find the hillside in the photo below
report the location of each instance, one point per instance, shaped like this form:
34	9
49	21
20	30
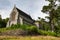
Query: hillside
26	32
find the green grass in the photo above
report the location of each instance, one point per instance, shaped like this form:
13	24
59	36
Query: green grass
29	30
49	33
18	26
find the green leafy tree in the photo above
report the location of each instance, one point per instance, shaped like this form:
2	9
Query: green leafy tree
3	22
52	11
44	25
57	22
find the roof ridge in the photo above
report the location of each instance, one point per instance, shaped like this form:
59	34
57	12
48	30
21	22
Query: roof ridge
24	13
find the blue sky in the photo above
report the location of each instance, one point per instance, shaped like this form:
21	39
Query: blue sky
31	7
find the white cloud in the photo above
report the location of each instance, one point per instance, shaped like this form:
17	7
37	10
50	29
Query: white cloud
13	1
32	7
5	13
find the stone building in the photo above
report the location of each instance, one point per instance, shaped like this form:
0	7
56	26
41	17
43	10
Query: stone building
18	16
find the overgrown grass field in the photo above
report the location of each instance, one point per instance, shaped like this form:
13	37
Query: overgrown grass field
28	38
48	34
29	30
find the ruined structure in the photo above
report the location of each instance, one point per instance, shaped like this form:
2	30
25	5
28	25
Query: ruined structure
18	16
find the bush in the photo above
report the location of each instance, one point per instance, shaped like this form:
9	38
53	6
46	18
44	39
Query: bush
58	35
42	32
46	27
29	28
32	29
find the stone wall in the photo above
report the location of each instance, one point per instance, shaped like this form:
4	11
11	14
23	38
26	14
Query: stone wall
13	17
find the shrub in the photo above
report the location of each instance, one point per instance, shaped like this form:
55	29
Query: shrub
58	35
29	29
25	27
32	28
42	32
46	27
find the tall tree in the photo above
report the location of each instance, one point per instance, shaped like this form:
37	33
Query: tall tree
51	10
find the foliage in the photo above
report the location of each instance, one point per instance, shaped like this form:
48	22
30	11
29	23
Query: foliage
54	13
30	30
3	22
42	32
18	26
46	27
43	24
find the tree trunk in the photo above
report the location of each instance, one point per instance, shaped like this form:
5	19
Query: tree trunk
52	26
51	21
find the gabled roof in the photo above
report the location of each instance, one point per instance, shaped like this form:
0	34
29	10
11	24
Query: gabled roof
24	14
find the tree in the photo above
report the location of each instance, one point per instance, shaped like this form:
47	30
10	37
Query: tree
44	25
52	11
3	22
57	24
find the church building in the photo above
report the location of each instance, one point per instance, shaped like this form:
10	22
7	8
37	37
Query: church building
18	16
